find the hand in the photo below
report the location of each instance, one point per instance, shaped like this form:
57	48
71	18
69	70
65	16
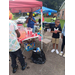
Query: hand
55	32
59	31
62	36
31	19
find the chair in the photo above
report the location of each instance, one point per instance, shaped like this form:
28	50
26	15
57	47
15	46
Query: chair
46	44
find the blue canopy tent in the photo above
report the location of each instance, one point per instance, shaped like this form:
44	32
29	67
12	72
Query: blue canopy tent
46	10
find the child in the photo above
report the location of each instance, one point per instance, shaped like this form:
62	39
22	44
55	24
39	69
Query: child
55	37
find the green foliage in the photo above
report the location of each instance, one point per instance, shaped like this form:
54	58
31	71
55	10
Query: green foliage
44	15
53	4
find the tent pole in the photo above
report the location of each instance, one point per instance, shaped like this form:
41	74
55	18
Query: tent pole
41	30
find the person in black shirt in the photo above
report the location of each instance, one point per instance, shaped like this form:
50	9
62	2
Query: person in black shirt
39	20
55	37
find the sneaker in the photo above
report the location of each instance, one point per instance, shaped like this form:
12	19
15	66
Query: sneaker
64	55
52	50
15	69
60	53
23	67
57	52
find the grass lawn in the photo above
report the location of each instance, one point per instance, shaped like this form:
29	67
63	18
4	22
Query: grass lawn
49	20
24	25
15	18
61	21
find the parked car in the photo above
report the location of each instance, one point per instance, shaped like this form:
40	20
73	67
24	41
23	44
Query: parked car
26	17
21	20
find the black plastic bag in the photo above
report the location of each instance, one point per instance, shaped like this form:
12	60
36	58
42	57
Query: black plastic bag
38	57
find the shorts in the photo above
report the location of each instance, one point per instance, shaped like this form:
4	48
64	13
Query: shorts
55	40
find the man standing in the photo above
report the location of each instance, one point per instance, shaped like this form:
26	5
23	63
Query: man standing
14	47
63	42
31	21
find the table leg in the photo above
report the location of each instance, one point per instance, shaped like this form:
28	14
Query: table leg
48	46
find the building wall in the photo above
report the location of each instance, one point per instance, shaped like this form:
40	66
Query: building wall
62	15
63	6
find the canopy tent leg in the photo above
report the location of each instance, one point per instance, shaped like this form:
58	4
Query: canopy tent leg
41	30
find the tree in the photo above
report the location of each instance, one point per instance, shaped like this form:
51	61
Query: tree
53	4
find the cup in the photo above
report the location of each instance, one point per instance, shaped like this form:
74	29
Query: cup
28	33
35	34
56	31
32	34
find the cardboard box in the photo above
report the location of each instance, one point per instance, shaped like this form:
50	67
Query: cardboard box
29	47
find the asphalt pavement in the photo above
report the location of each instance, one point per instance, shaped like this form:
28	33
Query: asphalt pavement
55	64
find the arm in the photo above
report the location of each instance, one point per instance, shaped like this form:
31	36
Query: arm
52	30
59	31
63	31
16	29
27	20
17	32
33	20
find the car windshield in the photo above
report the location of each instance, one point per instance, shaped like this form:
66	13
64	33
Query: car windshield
26	17
22	18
